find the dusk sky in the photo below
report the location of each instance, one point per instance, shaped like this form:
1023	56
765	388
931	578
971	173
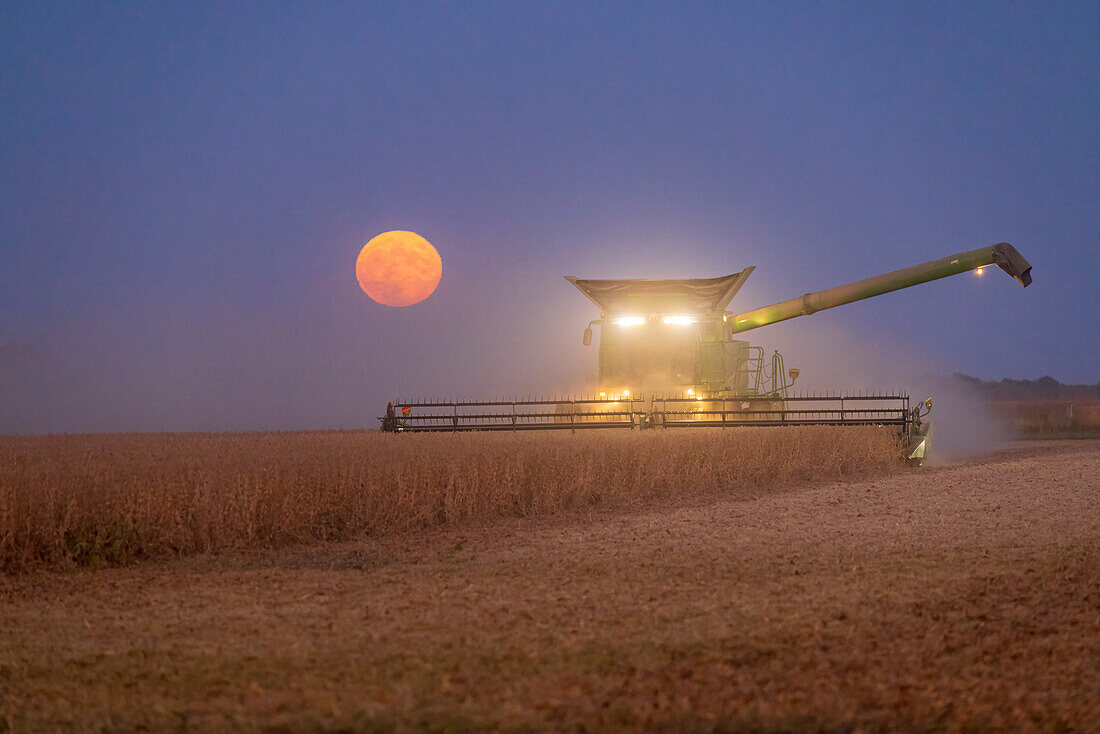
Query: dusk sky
186	188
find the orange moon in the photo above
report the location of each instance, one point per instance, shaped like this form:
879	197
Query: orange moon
398	268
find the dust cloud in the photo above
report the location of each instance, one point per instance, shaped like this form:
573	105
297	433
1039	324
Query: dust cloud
832	359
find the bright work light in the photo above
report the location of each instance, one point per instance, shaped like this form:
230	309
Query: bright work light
678	320
630	320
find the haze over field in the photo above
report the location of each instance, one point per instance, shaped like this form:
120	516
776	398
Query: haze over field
187	188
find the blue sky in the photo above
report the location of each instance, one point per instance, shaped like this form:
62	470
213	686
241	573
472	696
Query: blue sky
186	188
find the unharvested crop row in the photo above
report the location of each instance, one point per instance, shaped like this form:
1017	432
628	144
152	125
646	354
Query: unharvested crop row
102	500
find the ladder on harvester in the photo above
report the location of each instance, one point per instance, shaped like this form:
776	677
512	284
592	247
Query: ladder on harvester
760	376
755	366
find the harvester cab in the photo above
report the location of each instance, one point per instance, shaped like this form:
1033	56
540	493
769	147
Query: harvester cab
672	336
671	354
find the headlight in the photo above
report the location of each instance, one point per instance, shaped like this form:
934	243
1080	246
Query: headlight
678	320
630	320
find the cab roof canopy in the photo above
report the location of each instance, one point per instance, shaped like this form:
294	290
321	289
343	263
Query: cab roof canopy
652	295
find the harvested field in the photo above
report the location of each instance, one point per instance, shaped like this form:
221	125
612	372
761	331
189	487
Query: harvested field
957	598
114	499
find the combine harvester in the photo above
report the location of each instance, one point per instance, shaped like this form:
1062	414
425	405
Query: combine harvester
670	356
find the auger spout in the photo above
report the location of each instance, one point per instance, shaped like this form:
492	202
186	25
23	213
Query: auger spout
1003	255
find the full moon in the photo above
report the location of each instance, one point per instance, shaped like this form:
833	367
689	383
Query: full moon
398	268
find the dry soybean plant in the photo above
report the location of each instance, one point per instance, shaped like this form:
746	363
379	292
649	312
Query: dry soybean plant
113	499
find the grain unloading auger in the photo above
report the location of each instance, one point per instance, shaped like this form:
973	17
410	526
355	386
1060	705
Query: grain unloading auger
670	356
